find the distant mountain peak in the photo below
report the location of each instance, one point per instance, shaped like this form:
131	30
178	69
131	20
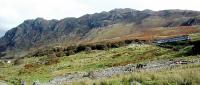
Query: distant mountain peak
39	32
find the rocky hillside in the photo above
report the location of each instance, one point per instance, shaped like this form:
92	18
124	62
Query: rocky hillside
40	32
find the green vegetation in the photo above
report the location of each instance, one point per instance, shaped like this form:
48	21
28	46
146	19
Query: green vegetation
40	68
183	75
46	67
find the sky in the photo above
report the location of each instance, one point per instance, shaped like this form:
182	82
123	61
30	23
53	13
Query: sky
14	12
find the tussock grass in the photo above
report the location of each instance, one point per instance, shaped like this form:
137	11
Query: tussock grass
45	68
184	75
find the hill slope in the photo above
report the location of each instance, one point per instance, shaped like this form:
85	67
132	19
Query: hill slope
41	33
108	66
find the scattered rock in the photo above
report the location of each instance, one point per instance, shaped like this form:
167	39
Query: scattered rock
151	66
36	83
3	83
135	83
23	82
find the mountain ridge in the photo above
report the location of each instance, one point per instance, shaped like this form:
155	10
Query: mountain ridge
39	32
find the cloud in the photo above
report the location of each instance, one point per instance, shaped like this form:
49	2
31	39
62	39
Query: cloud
2	32
14	12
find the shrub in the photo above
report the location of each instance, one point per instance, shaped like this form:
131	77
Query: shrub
40	53
31	66
101	47
81	48
128	41
196	48
73	48
70	52
93	47
60	54
51	61
136	40
88	49
121	43
18	61
114	45
56	49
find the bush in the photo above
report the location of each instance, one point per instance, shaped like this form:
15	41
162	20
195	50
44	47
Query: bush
60	54
114	45
82	48
52	60
40	53
93	47
31	66
136	40
101	47
57	49
196	48
70	52
18	61
128	41
121	43
88	49
49	60
73	48
117	44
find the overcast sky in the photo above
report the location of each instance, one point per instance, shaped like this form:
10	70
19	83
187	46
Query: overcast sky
14	12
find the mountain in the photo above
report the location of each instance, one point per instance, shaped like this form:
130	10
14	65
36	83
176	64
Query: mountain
35	33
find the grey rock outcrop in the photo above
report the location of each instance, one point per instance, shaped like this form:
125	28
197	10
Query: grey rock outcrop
41	32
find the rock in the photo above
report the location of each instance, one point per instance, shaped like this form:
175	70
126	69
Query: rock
98	74
191	21
23	82
41	32
36	83
138	66
3	83
135	83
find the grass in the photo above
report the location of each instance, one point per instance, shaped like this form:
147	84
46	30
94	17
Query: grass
14	74
35	68
122	31
195	36
101	59
183	75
